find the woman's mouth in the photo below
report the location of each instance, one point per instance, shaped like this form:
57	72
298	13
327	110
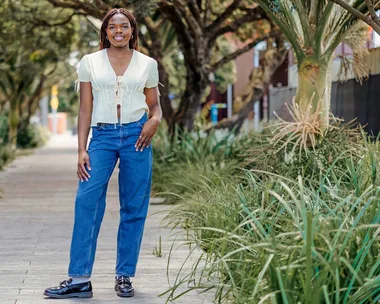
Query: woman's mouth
118	38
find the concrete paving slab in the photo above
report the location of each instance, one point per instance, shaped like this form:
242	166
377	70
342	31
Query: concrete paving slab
36	218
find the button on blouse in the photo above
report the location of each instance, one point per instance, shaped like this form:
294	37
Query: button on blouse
110	90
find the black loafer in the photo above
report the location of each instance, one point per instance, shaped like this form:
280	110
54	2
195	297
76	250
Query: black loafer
68	290
123	287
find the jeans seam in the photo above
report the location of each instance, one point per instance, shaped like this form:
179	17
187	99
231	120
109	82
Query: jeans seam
121	203
93	226
92	232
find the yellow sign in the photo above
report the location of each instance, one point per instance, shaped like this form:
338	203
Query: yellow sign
54	90
54	102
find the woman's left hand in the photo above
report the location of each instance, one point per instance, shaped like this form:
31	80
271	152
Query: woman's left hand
147	133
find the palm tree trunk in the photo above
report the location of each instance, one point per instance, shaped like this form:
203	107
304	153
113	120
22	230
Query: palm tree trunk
313	88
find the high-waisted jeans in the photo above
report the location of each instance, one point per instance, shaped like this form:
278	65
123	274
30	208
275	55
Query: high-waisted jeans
109	143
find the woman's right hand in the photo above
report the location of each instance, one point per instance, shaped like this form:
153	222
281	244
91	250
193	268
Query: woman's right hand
83	162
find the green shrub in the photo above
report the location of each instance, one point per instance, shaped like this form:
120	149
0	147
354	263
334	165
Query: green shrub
3	129
178	165
299	228
6	155
276	241
31	136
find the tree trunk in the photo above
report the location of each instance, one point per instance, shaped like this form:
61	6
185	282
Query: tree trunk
313	87
197	80
166	106
189	106
13	122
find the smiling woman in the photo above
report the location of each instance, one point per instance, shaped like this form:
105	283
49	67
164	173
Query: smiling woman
119	99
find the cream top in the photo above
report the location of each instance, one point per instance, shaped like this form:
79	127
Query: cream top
109	90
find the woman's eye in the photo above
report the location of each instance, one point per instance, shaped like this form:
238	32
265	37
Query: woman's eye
111	27
125	26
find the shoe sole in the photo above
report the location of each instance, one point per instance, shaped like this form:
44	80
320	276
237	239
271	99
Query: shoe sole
71	295
126	295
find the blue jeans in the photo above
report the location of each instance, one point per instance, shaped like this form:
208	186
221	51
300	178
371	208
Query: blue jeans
109	143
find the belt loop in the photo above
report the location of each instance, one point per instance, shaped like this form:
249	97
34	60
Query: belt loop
115	126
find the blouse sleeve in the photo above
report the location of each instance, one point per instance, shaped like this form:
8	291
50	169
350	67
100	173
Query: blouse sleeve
152	80
84	70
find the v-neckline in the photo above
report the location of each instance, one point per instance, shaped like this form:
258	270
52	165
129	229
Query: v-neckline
126	70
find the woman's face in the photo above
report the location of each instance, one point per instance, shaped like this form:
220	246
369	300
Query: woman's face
119	30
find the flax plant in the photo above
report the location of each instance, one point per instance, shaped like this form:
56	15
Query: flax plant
280	242
180	165
300	229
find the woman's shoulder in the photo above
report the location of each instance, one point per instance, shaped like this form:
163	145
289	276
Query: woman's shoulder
142	57
94	55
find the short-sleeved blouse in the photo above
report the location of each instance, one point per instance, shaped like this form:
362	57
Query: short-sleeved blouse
109	90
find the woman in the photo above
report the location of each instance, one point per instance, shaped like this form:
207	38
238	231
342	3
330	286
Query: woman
118	86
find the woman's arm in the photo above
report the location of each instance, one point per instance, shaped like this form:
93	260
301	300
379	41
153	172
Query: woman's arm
155	116
84	121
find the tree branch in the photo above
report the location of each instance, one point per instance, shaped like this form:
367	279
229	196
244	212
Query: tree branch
41	22
101	5
250	16
242	50
193	6
259	81
173	15
213	27
76	5
359	15
371	9
207	12
192	23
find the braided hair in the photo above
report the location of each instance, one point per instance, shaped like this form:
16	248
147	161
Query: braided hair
133	42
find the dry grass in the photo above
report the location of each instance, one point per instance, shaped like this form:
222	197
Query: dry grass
304	130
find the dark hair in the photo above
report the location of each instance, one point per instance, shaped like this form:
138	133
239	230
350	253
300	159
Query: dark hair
133	42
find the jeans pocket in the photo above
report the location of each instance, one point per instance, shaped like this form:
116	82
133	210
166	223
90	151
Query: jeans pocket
142	121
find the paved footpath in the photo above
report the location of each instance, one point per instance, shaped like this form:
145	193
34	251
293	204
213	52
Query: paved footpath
36	218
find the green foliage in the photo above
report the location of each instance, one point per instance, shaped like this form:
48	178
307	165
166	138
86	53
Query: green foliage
285	228
279	240
31	136
3	128
6	155
179	164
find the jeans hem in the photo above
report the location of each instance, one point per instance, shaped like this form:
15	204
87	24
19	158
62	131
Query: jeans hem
125	274
79	275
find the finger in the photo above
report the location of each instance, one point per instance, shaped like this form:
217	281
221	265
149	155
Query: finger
140	142
137	144
79	175
88	165
148	142
84	171
144	143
